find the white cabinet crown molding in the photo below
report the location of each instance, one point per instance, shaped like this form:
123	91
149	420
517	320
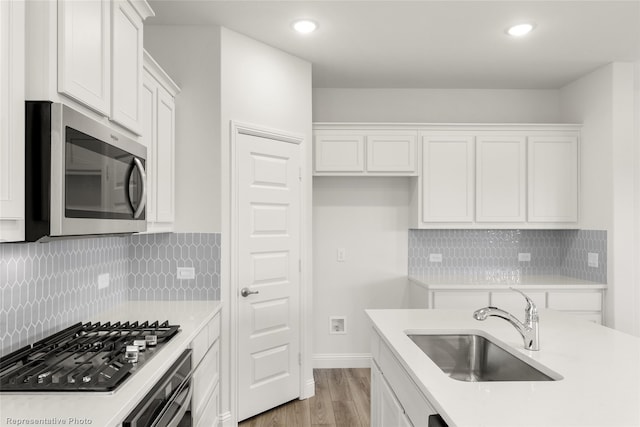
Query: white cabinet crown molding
160	75
142	8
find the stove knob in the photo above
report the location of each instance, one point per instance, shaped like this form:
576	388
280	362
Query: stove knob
151	340
131	354
141	344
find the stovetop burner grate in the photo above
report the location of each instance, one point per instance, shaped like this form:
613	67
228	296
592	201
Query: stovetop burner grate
84	357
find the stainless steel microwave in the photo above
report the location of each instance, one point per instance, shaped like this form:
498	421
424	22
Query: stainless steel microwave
81	177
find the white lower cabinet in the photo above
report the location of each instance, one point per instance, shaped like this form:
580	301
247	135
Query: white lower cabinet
586	302
395	399
206	376
209	416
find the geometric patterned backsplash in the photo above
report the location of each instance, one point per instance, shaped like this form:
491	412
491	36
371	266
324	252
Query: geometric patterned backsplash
156	257
492	255
46	287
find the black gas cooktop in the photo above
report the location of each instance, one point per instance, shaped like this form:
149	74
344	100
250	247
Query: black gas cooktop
95	357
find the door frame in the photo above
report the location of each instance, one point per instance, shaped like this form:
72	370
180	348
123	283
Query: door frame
306	385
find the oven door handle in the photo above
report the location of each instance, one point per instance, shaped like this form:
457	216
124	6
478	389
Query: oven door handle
177	407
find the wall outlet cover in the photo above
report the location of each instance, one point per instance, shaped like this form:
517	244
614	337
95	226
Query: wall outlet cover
524	257
186	273
435	257
341	255
337	325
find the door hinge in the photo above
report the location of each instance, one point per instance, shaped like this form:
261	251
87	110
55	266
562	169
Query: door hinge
299	266
300	359
300	174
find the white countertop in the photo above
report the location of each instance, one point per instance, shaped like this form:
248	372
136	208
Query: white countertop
107	410
600	369
492	283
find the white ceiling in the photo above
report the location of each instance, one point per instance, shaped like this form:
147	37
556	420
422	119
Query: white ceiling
431	44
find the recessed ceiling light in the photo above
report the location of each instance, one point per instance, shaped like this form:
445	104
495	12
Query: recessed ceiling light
305	26
520	30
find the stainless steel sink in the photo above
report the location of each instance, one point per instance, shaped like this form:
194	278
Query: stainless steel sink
470	357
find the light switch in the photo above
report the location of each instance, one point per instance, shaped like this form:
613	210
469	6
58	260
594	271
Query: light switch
341	255
103	281
592	259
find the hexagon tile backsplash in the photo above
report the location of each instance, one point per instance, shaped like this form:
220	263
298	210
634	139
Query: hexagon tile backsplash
493	254
155	259
46	287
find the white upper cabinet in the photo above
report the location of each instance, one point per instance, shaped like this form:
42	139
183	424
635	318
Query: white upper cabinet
12	70
348	149
447	178
391	153
84	52
339	153
497	176
553	179
501	165
88	54
126	64
158	127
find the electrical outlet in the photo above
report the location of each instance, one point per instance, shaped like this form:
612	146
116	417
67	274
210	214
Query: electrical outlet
524	257
341	255
103	281
337	325
186	273
435	257
592	259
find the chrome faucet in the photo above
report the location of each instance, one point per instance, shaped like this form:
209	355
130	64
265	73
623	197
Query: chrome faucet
528	329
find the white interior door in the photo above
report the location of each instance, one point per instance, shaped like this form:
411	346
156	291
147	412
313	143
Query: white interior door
268	254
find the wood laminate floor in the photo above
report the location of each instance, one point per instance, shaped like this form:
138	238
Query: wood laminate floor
341	400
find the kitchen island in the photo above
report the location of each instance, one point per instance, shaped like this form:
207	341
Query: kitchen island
600	370
105	409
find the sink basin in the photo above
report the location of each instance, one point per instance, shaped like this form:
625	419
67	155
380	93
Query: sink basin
471	357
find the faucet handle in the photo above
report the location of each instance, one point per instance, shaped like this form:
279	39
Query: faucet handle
530	304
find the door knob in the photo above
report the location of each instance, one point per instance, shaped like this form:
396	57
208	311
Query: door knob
245	292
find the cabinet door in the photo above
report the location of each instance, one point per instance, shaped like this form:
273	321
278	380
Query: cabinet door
447	178
391	413
514	303
500	179
164	157
471	300
391	153
209	416
84	52
553	179
12	17
149	139
376	378
126	50
339	153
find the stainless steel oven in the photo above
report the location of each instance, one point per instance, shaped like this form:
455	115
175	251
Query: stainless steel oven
168	404
82	177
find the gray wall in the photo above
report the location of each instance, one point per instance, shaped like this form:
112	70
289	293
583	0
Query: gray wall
191	57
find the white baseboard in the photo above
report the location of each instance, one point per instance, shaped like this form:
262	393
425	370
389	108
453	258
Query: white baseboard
341	360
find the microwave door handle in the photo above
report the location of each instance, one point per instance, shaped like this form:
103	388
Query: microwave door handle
181	405
143	196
